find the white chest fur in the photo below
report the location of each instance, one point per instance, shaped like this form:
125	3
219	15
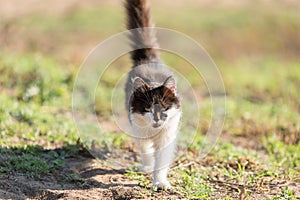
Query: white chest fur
142	127
156	145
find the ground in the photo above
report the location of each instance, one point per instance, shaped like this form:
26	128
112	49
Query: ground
256	47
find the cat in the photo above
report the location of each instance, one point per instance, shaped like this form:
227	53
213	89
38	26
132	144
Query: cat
152	99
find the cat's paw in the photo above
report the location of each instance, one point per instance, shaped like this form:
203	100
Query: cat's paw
162	185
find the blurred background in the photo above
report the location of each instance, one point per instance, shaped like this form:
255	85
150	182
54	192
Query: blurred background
255	44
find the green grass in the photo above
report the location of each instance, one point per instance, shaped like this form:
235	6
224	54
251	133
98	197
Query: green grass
262	82
35	100
30	161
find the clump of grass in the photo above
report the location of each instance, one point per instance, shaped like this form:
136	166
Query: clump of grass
191	184
36	162
276	81
143	180
73	178
30	161
35	92
283	157
29	122
27	164
286	193
33	77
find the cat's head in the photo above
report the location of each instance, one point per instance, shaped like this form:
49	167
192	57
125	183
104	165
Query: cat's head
155	104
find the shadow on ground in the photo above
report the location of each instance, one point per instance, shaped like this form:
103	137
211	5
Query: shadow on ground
67	172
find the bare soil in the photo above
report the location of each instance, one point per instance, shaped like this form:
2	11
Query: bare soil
84	177
93	181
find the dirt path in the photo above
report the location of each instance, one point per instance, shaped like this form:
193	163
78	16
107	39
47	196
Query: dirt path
82	178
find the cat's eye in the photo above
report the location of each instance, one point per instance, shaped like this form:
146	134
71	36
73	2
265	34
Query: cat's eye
165	108
147	109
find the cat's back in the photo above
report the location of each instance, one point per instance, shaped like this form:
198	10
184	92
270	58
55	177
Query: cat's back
151	73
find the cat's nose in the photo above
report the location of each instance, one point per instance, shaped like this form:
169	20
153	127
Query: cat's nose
157	124
156	112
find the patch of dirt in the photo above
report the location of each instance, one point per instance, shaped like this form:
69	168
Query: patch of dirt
94	181
82	178
245	141
266	187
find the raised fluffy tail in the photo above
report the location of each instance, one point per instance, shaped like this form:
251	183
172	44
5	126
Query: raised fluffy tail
143	39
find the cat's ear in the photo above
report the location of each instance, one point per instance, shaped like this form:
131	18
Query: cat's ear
139	83
170	83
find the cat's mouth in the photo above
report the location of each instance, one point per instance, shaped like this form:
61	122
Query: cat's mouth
157	124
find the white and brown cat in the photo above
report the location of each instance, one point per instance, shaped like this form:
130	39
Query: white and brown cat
151	96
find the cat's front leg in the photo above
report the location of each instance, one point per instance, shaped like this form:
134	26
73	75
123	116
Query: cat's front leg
163	159
147	155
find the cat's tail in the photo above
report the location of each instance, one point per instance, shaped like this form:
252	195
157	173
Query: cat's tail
143	39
